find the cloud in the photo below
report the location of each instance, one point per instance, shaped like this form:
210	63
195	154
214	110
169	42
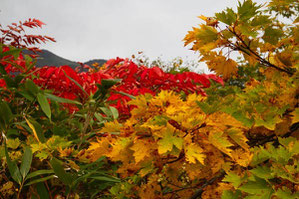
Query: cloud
91	29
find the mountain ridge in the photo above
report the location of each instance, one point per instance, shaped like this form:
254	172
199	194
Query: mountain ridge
48	58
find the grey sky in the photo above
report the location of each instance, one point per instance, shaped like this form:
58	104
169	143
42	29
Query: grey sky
89	29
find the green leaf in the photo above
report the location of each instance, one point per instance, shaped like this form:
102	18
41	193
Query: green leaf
260	20
272	35
228	194
234	179
114	112
207	34
43	102
26	94
13	51
221	141
108	83
262	172
228	16
106	111
10	83
60	99
39	172
66	178
31	86
42	191
40	180
286	194
105	179
76	83
256	187
5	114
206	108
168	141
238	115
26	162
12	167
126	94
2	69
247	10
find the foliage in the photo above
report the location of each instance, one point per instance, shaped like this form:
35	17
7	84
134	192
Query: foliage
124	130
241	141
49	115
42	144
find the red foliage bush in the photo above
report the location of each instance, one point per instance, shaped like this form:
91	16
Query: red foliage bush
135	79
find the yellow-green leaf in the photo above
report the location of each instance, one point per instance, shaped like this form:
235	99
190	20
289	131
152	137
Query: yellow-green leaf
193	153
168	141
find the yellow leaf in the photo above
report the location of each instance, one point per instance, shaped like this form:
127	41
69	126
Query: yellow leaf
193	153
222	121
238	136
295	115
33	129
65	152
242	157
142	149
169	140
99	149
220	141
203	17
111	127
222	66
13	143
120	150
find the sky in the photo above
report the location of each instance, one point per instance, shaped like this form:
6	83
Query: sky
104	29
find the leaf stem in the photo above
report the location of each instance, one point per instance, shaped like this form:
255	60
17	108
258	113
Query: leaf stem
258	57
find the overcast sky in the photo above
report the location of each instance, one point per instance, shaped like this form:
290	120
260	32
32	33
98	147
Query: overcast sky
89	29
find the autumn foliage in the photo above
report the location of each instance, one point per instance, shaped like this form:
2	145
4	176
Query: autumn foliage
125	130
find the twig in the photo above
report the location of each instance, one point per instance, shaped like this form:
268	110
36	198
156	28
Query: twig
259	58
199	191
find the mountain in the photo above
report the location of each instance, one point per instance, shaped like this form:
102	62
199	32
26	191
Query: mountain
47	58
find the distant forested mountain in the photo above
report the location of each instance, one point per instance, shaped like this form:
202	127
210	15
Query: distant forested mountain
47	58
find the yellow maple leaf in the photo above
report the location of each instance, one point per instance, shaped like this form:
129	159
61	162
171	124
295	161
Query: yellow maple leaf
238	136
99	149
121	150
194	152
111	127
142	149
222	121
190	37
222	66
295	116
220	141
169	140
242	157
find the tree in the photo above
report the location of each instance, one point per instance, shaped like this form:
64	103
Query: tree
241	141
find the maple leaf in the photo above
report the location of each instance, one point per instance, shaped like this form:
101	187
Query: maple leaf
222	66
169	140
238	136
142	149
295	116
193	153
120	150
111	127
99	148
242	157
220	141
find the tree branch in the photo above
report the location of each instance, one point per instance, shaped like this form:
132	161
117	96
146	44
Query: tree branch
198	192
